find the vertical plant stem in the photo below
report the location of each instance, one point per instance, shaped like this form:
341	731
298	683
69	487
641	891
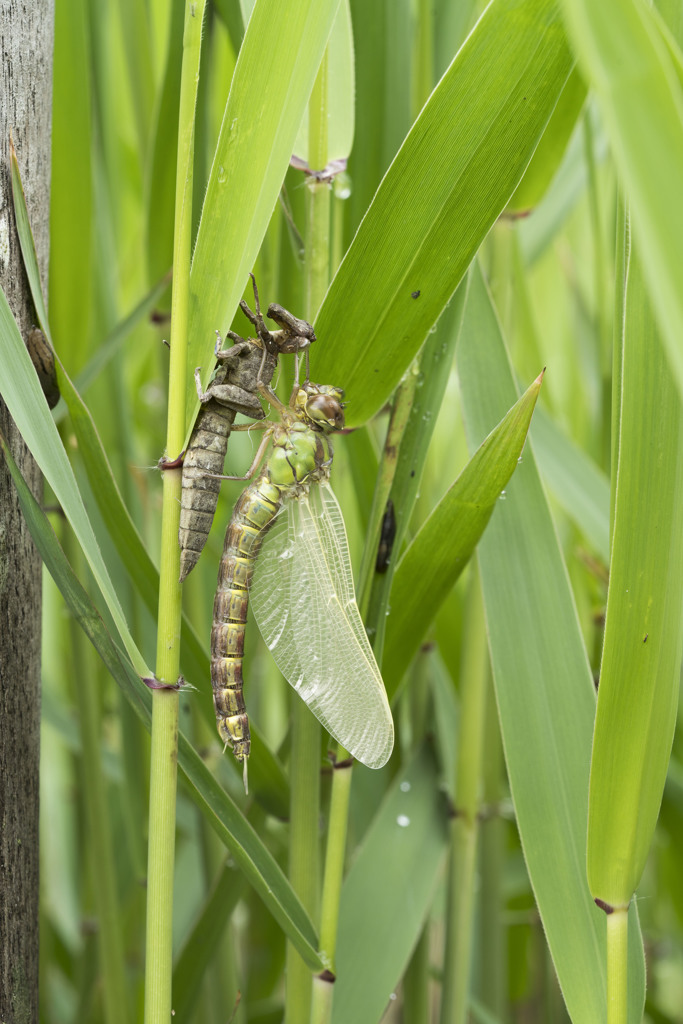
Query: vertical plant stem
318	198
617	961
164	753
334	855
109	935
304	867
465	827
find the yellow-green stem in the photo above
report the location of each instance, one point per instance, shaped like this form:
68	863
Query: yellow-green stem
334	855
164	752
303	848
617	963
321	1001
304	867
318	199
110	939
372	586
465	827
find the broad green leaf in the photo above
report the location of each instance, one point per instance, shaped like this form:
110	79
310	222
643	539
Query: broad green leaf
451	179
627	62
641	657
445	542
249	853
275	72
340	92
552	147
544	689
412	823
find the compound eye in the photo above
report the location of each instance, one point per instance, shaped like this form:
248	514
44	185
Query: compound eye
326	408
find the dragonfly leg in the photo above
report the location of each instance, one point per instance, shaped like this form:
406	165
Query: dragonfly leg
258	425
257	320
204	396
269	395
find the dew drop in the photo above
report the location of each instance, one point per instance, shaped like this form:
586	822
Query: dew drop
405	787
403	820
221	176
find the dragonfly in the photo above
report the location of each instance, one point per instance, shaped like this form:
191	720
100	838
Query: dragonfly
232	389
287	552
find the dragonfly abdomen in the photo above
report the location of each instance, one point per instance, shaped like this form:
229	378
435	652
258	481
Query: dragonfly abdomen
254	513
199	497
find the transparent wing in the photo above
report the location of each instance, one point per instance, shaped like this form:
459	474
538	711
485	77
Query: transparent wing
304	602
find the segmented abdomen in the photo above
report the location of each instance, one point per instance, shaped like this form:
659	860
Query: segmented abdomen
254	512
205	454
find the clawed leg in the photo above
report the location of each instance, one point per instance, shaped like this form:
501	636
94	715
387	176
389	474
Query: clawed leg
257	320
203	396
267	393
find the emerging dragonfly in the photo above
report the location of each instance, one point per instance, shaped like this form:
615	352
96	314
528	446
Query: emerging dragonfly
232	389
286	549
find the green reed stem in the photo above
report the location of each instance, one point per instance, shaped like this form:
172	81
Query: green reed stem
617	962
100	840
164	753
465	826
334	854
304	859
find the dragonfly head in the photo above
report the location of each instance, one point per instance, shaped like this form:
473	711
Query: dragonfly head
321	405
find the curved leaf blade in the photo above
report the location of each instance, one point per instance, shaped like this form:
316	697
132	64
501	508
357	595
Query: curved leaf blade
641	658
475	135
544	689
24	398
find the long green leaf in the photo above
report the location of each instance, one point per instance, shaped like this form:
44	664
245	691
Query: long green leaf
641	658
544	689
628	63
451	179
275	71
254	859
413	824
445	542
24	398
